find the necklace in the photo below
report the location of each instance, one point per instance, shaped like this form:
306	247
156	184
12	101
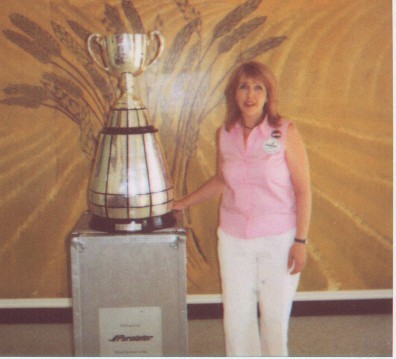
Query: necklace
249	128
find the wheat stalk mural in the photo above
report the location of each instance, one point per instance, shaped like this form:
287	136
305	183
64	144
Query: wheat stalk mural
73	86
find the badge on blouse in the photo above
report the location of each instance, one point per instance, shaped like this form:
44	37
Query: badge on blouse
276	134
271	145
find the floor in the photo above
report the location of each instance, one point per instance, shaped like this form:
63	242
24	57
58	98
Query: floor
322	336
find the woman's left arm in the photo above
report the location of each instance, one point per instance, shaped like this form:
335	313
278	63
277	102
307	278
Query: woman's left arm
297	161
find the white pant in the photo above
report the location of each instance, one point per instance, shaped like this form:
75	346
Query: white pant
255	270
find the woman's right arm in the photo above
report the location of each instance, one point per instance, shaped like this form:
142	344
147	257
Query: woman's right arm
211	188
214	186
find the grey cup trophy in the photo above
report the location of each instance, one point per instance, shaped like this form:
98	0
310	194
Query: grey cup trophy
130	189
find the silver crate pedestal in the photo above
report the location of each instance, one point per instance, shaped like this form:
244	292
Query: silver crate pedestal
129	292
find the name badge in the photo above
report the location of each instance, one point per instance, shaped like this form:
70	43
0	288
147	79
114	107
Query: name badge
271	146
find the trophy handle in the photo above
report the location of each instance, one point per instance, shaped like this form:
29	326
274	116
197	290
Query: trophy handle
98	39
161	45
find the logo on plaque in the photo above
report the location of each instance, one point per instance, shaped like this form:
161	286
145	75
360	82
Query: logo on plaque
133	331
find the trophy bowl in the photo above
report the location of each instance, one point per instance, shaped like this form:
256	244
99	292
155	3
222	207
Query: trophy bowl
125	53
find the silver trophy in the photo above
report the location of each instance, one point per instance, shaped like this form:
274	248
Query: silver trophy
130	189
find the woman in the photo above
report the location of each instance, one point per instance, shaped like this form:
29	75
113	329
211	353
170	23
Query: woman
265	210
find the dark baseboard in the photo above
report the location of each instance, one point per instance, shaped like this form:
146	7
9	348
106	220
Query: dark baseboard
36	316
307	308
343	307
210	311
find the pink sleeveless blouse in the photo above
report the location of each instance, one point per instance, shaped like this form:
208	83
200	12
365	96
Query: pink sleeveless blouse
258	199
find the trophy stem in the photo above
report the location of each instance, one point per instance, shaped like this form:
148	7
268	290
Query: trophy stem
127	100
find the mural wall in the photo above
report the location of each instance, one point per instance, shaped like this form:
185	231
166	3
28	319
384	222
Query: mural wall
333	62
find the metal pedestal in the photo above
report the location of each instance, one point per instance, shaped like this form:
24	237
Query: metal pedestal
129	292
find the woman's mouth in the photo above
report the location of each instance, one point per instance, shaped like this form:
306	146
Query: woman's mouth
250	103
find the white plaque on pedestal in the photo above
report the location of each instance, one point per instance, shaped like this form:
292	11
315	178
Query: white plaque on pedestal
130	331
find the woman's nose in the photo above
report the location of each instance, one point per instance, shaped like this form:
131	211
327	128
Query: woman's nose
250	92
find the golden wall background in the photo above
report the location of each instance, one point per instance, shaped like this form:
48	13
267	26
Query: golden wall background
333	61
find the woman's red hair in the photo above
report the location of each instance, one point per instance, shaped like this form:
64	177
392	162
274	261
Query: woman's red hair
257	71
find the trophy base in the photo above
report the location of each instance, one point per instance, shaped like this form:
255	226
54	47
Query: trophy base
143	225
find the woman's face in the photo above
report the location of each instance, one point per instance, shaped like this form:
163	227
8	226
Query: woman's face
251	96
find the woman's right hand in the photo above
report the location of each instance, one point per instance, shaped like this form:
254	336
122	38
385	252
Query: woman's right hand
179	205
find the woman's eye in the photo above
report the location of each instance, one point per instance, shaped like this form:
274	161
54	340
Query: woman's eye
259	88
243	86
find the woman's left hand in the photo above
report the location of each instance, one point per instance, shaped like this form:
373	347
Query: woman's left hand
297	257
